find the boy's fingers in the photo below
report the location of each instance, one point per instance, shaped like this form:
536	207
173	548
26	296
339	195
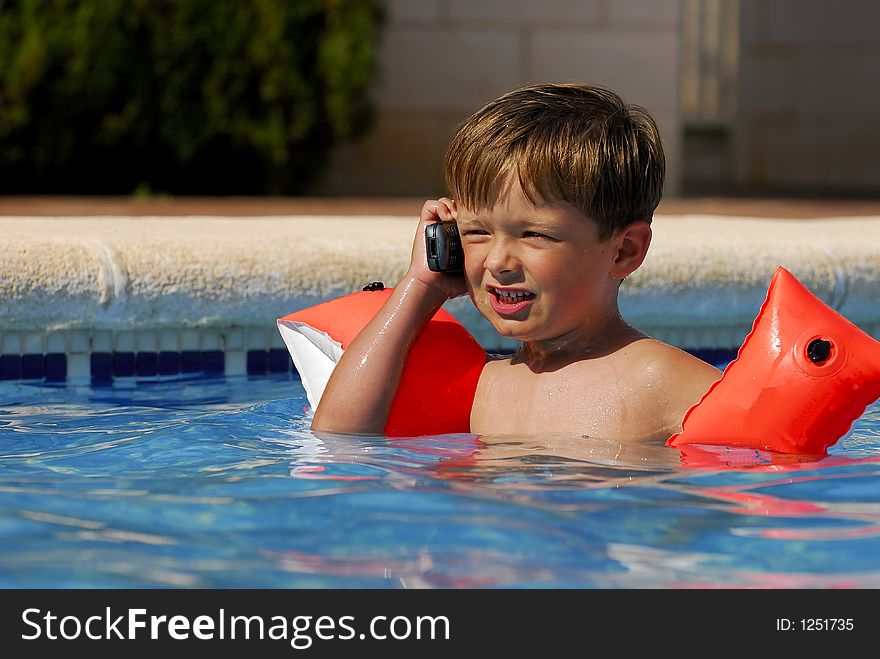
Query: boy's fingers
438	209
450	207
431	211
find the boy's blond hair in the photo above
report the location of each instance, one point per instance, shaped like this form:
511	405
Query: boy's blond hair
576	144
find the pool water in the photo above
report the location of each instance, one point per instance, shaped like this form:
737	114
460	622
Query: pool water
218	483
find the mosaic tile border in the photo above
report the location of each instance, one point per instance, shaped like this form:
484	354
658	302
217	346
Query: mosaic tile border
103	356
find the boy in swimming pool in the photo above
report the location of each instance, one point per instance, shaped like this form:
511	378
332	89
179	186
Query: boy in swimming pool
553	189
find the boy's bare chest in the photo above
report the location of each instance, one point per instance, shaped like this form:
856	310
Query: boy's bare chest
589	399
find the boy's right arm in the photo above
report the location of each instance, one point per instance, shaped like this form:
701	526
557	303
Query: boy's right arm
359	393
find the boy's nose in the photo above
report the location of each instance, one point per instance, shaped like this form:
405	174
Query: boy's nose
501	258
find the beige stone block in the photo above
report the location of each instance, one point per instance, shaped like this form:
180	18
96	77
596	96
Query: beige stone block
837	83
403	11
776	154
182	274
801	23
403	155
434	69
670	127
73	279
638	13
706	163
526	12
840	153
823	153
643	68
766	84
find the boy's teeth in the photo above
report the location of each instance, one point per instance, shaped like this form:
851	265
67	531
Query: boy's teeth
511	296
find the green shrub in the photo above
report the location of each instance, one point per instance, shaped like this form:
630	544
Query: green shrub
180	96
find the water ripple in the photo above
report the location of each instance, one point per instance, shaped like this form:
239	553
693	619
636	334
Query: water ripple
220	483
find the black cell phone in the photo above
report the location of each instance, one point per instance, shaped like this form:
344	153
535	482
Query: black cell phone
443	245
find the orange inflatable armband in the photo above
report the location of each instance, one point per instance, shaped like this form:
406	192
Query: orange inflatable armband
801	377
440	377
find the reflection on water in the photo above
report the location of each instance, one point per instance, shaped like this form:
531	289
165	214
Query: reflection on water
220	483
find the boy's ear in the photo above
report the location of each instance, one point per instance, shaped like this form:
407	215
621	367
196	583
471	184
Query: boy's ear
632	244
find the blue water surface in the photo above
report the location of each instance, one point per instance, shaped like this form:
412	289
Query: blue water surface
219	483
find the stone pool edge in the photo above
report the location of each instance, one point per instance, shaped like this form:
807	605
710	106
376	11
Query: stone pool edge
85	286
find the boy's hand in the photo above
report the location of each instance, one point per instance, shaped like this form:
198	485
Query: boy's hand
448	284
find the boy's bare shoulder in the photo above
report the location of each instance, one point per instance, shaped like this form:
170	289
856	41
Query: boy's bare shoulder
650	361
676	376
673	366
641	391
670	357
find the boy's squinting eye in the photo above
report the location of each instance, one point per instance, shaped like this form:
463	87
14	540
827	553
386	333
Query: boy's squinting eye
535	234
474	232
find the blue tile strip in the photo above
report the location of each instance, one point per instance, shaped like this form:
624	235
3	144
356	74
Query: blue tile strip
169	363
279	361
146	364
715	356
102	367
192	361
213	362
256	362
33	367
10	367
56	367
123	364
105	366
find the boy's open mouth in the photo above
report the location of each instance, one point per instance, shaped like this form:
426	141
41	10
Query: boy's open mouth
511	295
509	300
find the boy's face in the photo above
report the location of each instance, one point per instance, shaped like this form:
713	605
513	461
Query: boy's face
537	273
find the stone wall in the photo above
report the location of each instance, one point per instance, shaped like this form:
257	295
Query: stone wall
441	60
809	97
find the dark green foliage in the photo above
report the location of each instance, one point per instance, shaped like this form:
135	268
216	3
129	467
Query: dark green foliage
180	96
